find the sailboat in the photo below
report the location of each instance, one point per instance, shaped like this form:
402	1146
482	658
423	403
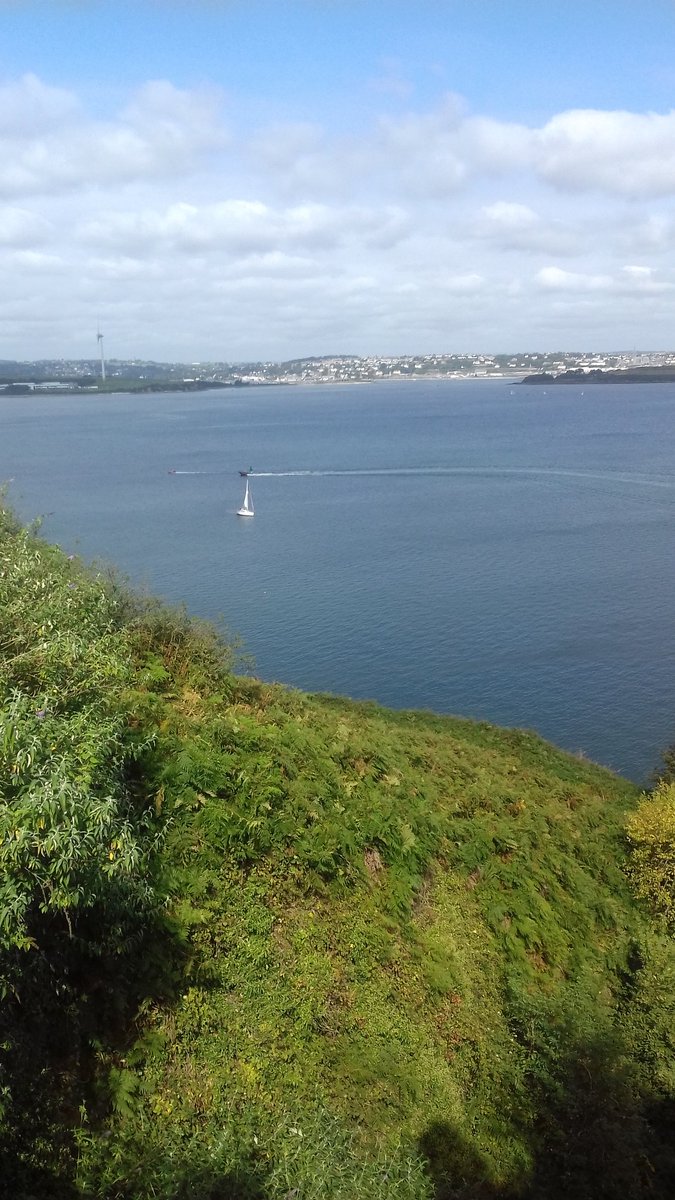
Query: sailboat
246	509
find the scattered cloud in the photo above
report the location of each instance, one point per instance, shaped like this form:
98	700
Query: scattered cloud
509	225
444	149
620	153
242	227
48	144
21	227
424	225
556	279
631	279
30	108
645	279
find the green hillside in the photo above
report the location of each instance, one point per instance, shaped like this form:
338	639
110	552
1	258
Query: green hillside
256	943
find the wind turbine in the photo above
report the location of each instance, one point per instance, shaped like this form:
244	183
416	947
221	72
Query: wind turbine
99	339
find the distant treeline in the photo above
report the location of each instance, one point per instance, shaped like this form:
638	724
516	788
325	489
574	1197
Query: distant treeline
598	375
118	385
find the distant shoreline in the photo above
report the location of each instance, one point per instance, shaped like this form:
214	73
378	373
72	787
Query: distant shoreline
598	375
126	389
575	376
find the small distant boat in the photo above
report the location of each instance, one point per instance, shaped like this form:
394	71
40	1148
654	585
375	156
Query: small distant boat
246	509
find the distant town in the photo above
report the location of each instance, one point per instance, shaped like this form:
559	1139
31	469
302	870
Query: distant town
99	375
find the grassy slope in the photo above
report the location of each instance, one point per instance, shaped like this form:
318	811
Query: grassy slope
412	965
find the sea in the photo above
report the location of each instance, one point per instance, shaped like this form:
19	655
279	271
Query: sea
476	547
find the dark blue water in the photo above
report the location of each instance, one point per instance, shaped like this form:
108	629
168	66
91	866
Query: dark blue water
491	550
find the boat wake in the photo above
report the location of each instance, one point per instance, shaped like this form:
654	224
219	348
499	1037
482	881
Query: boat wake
545	472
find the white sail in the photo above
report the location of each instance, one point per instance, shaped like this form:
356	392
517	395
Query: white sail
246	509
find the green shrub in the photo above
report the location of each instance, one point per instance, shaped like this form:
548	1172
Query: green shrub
651	831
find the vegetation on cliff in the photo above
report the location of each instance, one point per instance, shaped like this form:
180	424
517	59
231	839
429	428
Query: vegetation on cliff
647	374
255	943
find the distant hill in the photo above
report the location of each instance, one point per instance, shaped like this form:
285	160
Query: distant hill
598	375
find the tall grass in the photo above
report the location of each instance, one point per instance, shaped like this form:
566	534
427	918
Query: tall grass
280	945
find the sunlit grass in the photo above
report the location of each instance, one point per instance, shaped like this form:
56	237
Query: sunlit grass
383	953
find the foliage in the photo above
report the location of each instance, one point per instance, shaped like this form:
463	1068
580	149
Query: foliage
71	831
78	838
338	951
651	831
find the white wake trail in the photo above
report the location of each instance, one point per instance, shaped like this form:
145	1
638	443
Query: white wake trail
546	472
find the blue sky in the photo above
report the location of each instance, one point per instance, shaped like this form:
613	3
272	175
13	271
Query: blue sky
255	180
523	58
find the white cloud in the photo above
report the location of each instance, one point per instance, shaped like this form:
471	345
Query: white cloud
496	146
653	233
626	279
423	149
29	107
513	226
47	148
509	216
33	260
639	274
240	227
624	153
21	227
417	230
442	150
556	279
643	280
461	284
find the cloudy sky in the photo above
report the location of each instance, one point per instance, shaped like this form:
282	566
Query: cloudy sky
240	179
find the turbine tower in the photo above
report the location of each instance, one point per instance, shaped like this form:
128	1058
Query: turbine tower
99	339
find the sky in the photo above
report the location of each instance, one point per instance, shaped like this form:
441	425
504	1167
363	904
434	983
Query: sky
237	180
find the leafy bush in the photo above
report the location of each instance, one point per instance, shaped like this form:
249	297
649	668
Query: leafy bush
71	829
79	842
651	831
